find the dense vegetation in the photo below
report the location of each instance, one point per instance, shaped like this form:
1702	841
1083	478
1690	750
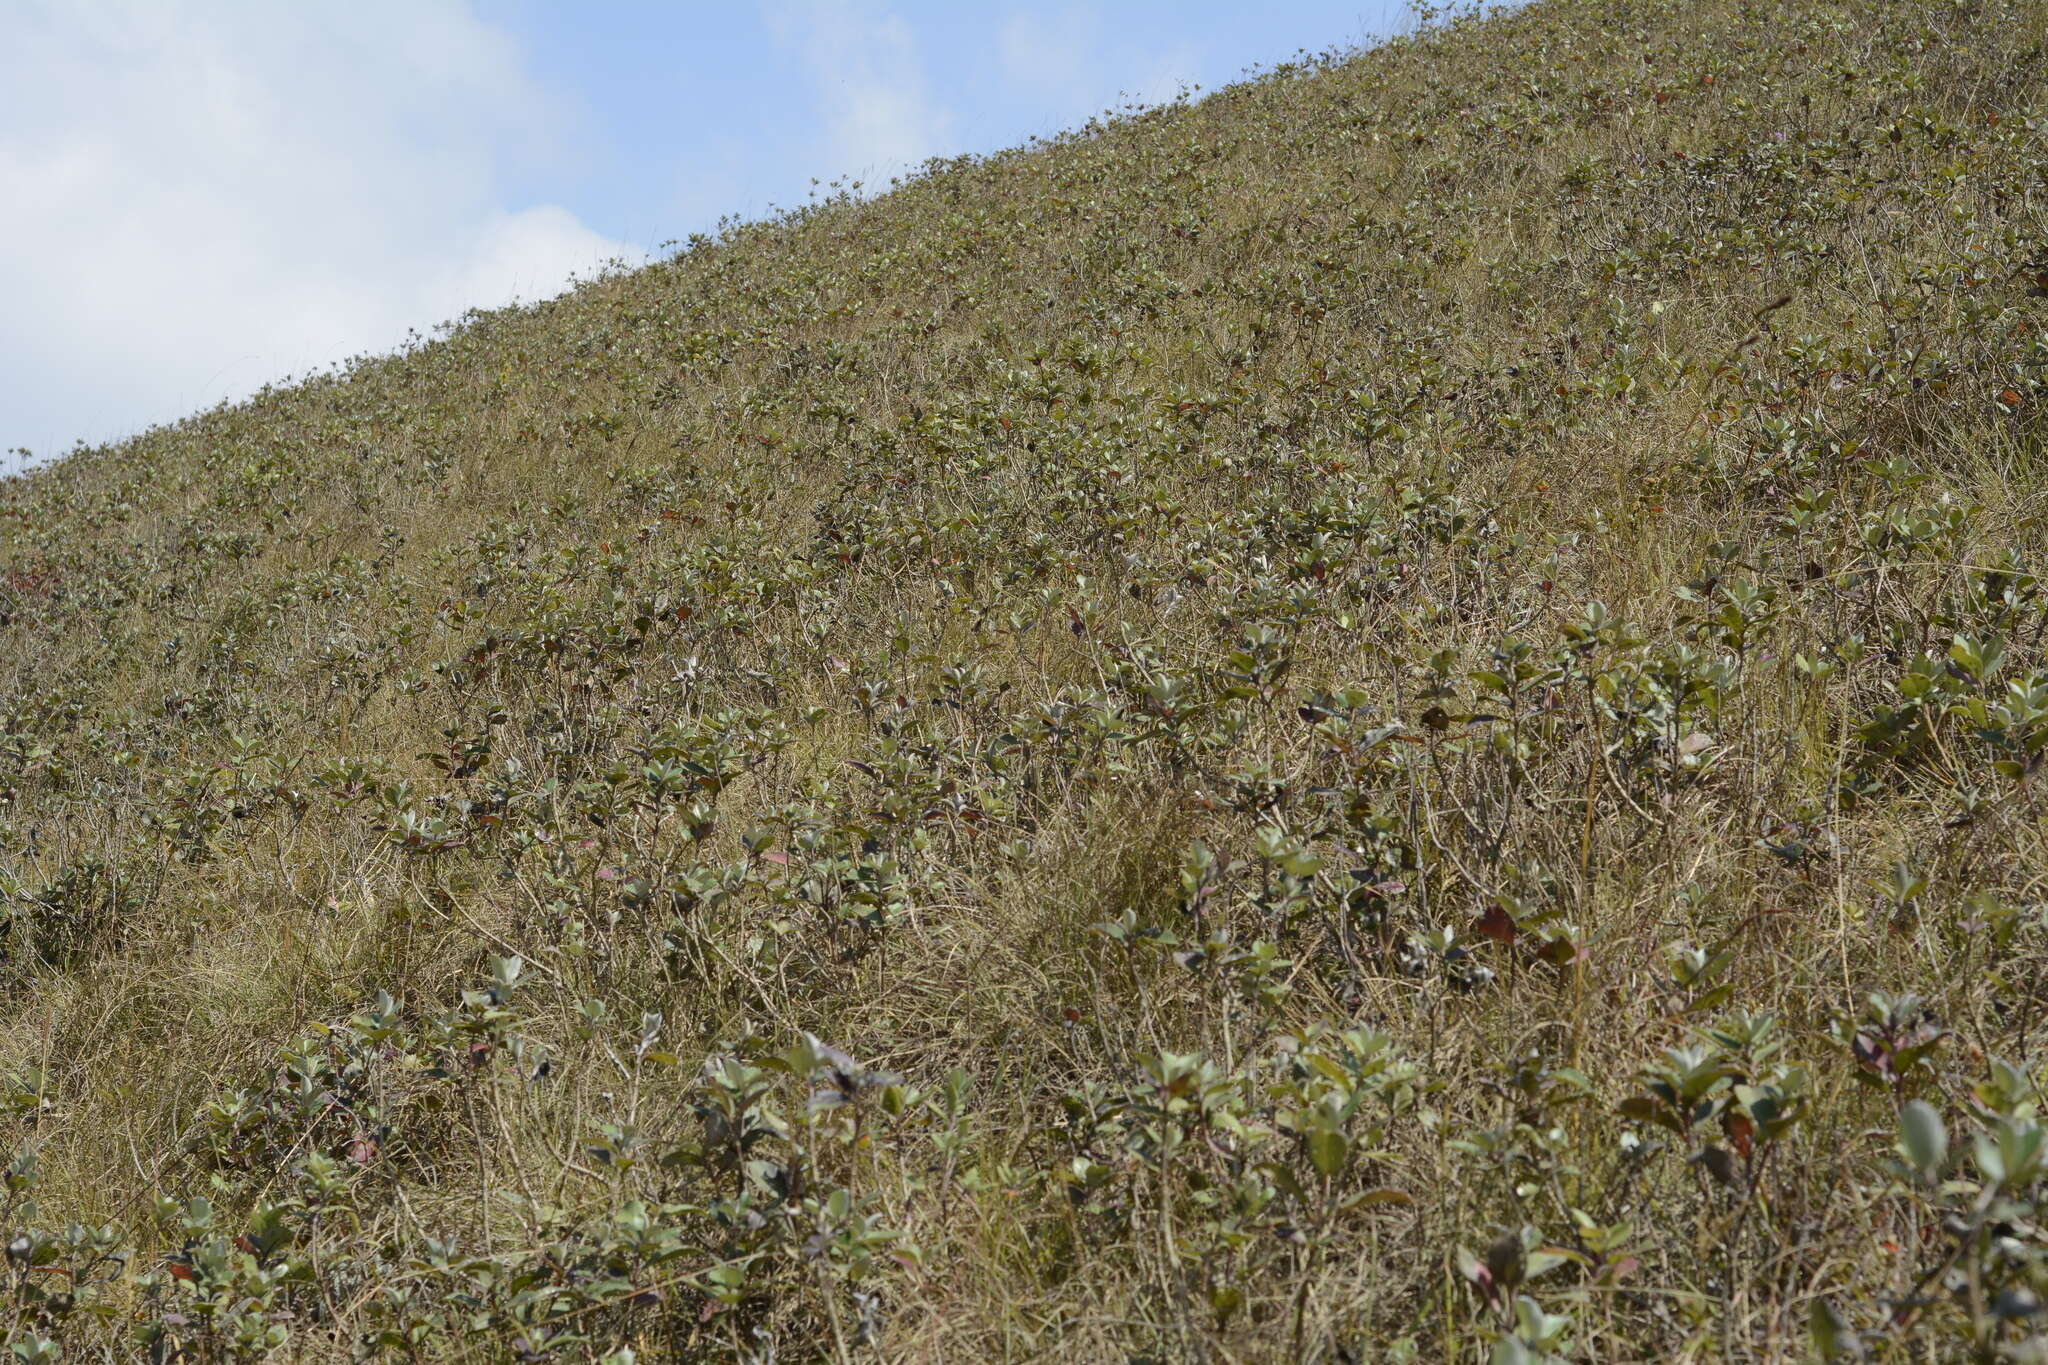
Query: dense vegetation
1396	715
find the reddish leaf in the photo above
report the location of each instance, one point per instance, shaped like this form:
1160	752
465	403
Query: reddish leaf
1496	924
1620	1270
1741	1132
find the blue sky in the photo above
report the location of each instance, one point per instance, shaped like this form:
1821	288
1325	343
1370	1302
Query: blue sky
692	111
208	195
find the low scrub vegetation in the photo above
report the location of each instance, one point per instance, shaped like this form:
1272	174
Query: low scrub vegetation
1395	715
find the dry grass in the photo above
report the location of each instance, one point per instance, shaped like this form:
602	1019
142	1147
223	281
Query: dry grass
870	624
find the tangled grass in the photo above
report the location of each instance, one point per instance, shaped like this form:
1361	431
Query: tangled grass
1396	715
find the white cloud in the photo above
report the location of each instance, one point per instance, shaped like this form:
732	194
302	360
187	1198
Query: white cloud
880	119
526	255
205	196
1048	51
1065	59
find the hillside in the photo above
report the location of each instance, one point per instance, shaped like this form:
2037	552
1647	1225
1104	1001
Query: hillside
1395	715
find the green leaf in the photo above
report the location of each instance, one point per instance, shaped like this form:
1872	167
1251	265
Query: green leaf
1546	1259
1831	1336
1328	1150
1284	1180
1380	1198
1922	1137
726	1283
1510	1351
1301	863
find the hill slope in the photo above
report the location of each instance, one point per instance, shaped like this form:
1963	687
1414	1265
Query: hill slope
1395	715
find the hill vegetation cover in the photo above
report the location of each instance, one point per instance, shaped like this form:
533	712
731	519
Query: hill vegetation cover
1395	715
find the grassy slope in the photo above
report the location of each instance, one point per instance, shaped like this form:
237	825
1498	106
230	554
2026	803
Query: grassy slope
1100	635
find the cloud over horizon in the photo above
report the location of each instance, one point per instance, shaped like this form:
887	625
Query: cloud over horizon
210	197
880	119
